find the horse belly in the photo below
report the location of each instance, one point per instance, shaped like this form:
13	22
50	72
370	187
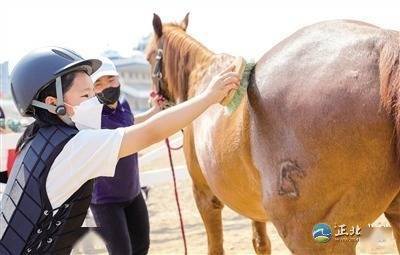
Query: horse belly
224	165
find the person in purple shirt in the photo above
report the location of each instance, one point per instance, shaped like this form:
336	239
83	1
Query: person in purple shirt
117	204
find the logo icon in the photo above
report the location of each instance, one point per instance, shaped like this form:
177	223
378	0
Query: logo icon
322	233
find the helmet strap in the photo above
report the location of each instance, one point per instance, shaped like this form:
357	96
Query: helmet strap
59	109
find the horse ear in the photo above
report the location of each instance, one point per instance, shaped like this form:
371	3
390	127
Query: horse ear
185	22
157	25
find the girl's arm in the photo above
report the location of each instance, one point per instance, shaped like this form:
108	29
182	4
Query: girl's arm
169	121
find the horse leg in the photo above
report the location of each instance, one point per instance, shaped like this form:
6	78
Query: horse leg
210	208
392	213
261	242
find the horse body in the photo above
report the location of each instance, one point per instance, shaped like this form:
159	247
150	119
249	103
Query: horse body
309	144
323	144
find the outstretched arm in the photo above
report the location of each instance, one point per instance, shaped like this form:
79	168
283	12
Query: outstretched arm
170	121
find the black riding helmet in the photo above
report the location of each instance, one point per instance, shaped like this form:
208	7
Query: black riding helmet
39	69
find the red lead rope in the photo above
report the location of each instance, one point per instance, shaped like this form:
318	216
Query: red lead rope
176	191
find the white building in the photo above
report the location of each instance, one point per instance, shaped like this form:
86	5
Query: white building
135	75
135	80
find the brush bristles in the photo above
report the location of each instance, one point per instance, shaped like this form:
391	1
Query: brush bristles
241	91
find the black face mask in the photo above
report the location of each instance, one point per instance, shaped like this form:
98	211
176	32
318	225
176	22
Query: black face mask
109	95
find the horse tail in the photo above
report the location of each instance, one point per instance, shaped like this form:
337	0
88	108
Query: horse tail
389	74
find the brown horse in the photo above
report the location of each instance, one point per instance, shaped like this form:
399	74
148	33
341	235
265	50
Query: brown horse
314	141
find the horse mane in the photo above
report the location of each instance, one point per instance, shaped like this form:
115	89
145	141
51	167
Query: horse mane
389	73
181	54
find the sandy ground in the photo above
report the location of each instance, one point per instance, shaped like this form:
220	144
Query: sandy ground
156	156
165	228
166	236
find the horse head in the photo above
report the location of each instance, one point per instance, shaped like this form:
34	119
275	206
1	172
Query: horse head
168	78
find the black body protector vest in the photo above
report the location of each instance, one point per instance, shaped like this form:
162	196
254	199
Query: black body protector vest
28	223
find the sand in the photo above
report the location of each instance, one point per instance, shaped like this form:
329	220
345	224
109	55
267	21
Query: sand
165	228
166	236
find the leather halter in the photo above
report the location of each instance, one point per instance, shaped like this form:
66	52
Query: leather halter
159	77
157	72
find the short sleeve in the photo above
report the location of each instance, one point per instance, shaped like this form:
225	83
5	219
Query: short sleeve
89	154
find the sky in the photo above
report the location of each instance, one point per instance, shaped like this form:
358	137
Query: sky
247	28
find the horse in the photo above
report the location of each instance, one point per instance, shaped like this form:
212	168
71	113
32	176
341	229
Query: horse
314	140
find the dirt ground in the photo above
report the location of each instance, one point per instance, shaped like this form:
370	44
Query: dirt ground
165	228
165	231
166	237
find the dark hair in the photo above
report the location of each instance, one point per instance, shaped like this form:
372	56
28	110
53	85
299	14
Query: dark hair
43	117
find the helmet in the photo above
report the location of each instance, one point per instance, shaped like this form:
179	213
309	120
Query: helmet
40	68
107	68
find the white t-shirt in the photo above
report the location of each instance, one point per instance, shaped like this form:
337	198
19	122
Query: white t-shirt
89	154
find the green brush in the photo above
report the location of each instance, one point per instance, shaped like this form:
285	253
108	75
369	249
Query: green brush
233	99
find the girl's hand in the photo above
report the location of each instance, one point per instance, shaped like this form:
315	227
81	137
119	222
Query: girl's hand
221	84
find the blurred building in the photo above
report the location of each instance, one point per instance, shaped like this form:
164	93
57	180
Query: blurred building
136	81
135	75
112	54
4	80
142	44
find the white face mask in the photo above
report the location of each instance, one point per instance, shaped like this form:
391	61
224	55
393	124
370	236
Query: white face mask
87	115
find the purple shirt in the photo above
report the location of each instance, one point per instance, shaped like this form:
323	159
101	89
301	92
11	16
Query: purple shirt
125	185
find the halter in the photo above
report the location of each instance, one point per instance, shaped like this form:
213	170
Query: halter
157	72
158	75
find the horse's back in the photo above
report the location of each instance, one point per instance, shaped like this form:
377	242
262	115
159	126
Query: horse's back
317	127
323	69
322	76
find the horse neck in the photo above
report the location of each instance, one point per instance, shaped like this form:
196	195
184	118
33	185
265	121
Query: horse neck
194	66
184	58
